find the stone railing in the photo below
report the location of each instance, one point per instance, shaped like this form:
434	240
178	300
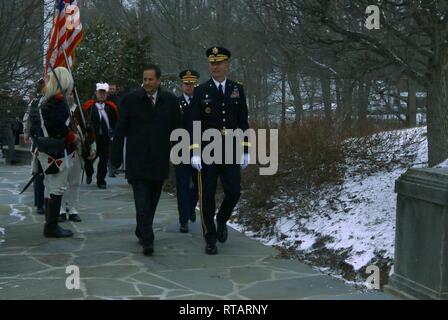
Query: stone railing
421	247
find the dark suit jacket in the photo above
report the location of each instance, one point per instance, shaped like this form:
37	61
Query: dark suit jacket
101	131
147	131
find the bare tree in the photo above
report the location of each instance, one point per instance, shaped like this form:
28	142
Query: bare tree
411	40
22	37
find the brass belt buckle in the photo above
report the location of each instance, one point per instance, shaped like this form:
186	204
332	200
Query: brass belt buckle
224	132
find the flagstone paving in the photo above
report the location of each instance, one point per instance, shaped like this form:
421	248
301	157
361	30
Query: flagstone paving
112	266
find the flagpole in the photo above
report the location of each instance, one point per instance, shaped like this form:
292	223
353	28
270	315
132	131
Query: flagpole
84	122
47	52
80	111
49	65
74	89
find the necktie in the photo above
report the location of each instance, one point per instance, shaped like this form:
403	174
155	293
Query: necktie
151	99
220	88
104	119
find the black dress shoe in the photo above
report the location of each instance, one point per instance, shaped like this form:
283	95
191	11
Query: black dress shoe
62	218
222	233
193	216
89	180
57	232
148	250
102	186
211	249
183	228
74	218
40	211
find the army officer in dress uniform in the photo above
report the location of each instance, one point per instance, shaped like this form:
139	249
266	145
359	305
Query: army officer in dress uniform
219	104
186	176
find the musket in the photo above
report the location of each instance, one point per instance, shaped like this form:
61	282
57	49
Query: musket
75	91
83	119
29	182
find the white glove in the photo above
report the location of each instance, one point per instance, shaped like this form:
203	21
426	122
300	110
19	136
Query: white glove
92	155
196	163
245	161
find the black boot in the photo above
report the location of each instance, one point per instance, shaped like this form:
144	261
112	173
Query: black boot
222	233
51	229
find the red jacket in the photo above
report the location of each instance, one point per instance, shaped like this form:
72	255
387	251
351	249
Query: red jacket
86	106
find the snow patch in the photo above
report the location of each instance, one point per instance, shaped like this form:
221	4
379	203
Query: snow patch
2	234
356	218
16	213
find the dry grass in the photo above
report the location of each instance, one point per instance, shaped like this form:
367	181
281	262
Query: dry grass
313	155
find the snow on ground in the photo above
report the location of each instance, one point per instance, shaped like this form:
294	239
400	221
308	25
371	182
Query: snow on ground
443	165
16	213
356	218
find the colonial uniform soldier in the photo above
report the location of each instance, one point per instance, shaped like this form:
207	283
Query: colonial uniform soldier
186	176
32	129
219	104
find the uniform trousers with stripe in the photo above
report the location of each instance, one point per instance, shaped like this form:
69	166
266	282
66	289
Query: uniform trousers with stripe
230	177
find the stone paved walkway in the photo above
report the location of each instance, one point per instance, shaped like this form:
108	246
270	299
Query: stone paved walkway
113	267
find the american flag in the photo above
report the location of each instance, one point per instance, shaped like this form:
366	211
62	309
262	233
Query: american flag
66	34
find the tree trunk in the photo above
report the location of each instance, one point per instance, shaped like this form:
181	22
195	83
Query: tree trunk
411	113
339	106
437	117
283	118
265	103
326	96
189	34
347	99
312	93
294	85
363	102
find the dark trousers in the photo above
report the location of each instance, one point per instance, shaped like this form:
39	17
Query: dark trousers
8	140
39	190
230	176
187	191
146	196
102	152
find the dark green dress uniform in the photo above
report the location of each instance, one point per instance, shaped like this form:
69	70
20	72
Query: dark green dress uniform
222	111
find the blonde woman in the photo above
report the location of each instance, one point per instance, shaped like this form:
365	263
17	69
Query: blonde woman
57	148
